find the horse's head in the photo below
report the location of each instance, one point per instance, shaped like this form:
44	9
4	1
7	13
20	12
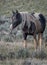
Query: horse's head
16	19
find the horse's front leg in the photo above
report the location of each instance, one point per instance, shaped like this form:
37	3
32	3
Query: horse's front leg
35	42
25	40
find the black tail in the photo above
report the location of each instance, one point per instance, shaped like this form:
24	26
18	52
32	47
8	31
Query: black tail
43	21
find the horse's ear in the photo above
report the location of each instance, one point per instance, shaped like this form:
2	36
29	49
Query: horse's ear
13	12
16	11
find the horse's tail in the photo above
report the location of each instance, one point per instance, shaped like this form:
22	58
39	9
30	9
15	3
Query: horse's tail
43	21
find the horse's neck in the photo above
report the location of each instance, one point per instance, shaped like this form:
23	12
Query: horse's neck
24	16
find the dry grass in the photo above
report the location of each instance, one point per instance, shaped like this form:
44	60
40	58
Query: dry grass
8	52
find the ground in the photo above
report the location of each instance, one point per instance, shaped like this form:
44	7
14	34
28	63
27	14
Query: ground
6	47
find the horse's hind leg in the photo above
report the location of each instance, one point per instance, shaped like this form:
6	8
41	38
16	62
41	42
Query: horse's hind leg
40	41
35	42
25	42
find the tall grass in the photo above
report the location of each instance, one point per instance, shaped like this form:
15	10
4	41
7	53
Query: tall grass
6	6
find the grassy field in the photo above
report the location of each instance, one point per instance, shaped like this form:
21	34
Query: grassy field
15	54
11	46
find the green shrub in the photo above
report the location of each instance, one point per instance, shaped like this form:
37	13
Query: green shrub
8	38
2	57
26	63
40	55
11	55
22	53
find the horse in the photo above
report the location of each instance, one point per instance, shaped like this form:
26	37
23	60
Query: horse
32	24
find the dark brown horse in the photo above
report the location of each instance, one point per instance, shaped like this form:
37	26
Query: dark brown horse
33	24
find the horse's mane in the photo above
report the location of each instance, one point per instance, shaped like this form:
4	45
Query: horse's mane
23	12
